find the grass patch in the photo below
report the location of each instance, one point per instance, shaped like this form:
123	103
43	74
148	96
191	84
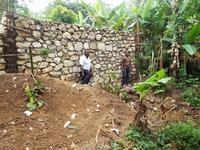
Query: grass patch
183	136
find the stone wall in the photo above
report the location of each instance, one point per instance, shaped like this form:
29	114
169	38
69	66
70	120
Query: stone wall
2	62
66	44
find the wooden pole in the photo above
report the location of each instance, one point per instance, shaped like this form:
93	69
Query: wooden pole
137	44
161	54
10	26
31	59
11	55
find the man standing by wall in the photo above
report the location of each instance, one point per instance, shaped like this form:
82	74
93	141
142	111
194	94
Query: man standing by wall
86	69
126	69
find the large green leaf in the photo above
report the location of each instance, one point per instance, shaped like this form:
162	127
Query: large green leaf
81	19
183	70
164	80
190	49
101	8
40	103
147	8
157	76
183	5
89	9
192	34
139	87
144	87
135	9
31	106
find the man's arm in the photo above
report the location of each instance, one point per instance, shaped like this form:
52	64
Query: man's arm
91	73
82	72
130	64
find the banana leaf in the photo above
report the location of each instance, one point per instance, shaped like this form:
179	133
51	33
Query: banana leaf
192	34
190	49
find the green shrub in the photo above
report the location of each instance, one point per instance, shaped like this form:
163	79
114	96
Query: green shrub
114	86
44	52
32	94
145	140
190	90
192	95
184	83
185	135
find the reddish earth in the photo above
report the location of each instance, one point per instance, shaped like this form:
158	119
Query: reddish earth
44	129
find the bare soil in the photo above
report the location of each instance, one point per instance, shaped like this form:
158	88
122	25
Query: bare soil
44	129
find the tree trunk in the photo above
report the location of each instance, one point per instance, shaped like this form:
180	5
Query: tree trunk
140	117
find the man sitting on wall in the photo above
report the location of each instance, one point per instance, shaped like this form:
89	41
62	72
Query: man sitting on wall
126	69
86	69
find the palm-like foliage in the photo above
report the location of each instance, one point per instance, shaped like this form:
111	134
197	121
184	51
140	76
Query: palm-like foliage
98	14
101	15
162	23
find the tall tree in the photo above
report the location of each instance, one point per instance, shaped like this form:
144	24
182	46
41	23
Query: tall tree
15	6
63	11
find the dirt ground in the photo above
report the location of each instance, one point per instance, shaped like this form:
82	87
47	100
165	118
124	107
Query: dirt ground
97	113
44	129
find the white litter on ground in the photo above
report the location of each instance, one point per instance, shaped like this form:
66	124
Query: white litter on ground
67	124
28	113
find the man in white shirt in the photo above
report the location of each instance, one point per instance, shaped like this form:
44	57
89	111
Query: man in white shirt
86	69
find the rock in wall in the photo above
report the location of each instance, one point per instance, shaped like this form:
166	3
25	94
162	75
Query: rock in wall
67	43
2	61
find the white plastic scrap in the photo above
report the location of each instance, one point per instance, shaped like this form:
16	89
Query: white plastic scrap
5	131
67	124
115	130
107	125
40	120
30	128
74	85
97	110
28	113
73	116
14	78
155	109
27	148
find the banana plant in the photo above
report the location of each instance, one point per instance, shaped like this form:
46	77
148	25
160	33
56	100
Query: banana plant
118	18
151	20
185	18
98	13
144	87
189	39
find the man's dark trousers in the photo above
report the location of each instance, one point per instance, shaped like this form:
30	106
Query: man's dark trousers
86	77
126	77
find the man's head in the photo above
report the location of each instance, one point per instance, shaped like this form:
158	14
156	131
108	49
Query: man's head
126	54
86	53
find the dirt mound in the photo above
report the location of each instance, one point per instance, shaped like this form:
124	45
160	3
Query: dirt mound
44	129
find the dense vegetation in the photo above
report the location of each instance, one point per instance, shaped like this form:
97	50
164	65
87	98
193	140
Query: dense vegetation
168	31
185	135
166	26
